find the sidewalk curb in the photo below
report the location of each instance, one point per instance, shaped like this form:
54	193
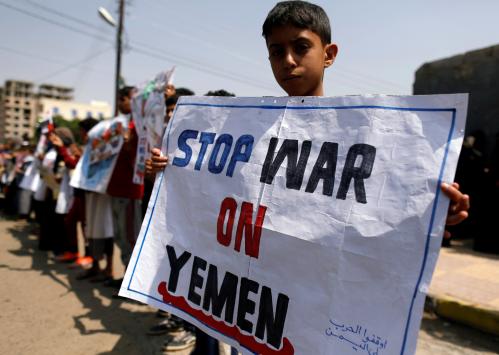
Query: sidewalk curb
473	315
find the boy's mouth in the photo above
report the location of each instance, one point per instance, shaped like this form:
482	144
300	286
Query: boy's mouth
290	77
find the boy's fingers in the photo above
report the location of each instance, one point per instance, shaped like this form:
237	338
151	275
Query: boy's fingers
159	158
451	192
462	205
465	202
456	218
155	152
158	164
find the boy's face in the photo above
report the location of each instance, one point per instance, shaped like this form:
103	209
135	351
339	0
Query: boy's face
298	59
169	112
124	104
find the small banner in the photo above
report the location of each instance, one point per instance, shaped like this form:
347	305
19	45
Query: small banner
148	112
96	166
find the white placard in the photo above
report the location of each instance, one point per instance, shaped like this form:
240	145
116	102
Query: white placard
300	225
96	166
148	112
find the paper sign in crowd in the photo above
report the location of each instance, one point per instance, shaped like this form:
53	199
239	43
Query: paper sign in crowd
300	225
148	111
96	166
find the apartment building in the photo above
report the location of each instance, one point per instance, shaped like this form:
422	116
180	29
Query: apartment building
22	104
18	114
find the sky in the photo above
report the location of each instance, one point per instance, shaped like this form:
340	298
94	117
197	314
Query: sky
217	44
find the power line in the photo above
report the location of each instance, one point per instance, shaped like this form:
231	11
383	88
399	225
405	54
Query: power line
52	22
74	65
142	51
202	65
30	55
353	78
203	69
59	13
34	56
370	78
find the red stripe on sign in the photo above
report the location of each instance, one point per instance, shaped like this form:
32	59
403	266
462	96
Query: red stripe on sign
233	332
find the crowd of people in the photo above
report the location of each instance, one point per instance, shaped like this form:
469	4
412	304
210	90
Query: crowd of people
106	219
298	38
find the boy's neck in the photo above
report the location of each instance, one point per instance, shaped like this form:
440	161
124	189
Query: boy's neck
319	91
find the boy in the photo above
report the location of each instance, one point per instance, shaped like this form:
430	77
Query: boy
298	39
126	196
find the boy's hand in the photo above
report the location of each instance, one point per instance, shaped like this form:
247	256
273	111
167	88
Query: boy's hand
169	90
55	139
157	163
459	205
75	150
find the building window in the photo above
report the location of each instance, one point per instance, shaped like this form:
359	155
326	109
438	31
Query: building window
26	125
89	114
101	115
55	110
74	113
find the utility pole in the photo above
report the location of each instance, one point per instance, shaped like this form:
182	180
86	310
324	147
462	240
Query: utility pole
118	55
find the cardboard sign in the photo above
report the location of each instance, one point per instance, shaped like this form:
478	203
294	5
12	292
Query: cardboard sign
300	225
96	166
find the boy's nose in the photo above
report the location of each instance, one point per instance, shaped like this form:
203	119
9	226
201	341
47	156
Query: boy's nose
289	60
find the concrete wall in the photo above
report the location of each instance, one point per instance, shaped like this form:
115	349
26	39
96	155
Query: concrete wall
475	72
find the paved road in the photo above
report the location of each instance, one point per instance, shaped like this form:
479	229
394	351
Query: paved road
44	310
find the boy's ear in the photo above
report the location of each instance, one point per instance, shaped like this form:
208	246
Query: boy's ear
330	52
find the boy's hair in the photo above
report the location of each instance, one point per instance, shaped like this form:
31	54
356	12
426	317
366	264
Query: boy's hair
66	135
87	124
171	100
300	14
125	91
184	92
220	92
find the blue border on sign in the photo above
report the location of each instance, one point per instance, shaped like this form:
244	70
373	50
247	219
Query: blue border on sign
281	107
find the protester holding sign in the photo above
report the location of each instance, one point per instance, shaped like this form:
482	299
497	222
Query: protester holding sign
25	194
92	174
125	194
76	212
68	199
355	232
65	191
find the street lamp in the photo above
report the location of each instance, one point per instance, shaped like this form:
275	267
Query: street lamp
106	16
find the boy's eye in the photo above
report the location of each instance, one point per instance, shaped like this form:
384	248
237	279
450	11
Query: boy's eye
276	52
302	48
